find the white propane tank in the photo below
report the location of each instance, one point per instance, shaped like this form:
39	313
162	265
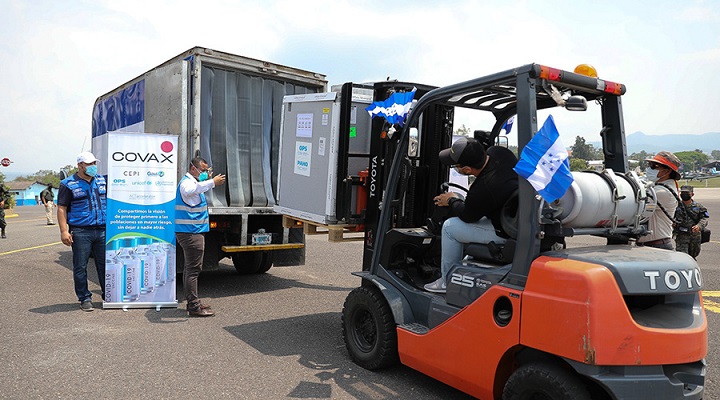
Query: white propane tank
589	201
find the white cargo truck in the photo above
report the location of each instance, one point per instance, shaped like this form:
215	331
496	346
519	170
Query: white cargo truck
227	109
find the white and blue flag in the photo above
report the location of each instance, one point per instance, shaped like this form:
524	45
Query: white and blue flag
544	163
507	126
394	109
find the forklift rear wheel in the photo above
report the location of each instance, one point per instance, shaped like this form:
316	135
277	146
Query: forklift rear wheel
252	262
541	381
369	329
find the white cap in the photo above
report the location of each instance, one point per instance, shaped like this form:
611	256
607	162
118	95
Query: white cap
86	157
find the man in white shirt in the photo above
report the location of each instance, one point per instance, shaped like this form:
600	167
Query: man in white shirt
191	222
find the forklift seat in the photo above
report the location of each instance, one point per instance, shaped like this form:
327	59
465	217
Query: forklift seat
501	253
492	252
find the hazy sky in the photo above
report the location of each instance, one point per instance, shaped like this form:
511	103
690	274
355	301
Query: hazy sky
59	56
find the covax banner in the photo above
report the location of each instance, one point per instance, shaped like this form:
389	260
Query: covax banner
140	256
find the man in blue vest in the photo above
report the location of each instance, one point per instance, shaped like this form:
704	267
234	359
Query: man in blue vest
191	222
81	216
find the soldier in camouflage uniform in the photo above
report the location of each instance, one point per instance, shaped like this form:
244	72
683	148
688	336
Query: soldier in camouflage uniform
4	196
691	218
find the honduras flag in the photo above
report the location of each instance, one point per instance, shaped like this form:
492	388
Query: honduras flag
394	109
508	125
544	163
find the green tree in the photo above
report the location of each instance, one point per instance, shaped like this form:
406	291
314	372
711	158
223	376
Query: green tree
692	160
585	151
715	154
578	164
463	131
640	157
48	177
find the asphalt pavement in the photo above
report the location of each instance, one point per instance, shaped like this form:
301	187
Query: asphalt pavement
275	335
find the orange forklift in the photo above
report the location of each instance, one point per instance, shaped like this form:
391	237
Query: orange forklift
531	318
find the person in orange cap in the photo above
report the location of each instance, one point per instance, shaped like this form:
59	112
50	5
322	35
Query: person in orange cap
662	169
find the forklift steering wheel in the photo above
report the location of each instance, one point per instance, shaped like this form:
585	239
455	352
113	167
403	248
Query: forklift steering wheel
440	214
445	186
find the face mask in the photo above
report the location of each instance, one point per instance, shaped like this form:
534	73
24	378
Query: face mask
91	170
685	196
651	174
203	176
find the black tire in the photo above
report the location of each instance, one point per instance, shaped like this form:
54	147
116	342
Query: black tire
369	329
540	381
211	254
252	262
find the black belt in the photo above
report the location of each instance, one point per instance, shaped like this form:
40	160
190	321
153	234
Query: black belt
88	227
656	241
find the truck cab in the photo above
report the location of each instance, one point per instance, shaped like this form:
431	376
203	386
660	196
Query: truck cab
531	318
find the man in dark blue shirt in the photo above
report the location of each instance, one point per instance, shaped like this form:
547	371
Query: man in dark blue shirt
81	216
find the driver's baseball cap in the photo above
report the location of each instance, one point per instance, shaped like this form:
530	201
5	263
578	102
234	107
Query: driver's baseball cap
86	157
464	152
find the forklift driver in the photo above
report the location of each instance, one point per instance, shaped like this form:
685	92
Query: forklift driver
477	218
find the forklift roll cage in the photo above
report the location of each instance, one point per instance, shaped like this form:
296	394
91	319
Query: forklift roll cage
521	91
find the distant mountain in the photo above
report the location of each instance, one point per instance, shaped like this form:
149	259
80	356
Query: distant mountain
639	141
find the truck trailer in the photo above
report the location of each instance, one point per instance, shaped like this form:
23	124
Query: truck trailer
226	109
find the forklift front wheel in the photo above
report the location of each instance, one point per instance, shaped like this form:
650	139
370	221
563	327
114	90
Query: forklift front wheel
369	329
542	381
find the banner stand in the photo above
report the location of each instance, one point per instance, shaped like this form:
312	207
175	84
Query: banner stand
140	261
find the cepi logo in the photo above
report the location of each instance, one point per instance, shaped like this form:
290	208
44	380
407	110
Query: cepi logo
160	158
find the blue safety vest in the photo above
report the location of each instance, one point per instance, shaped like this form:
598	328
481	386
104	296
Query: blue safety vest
191	219
88	203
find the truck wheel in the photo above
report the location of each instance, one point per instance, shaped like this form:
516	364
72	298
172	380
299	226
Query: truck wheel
369	329
538	381
253	262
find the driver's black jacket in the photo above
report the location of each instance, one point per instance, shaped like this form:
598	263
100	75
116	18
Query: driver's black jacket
486	196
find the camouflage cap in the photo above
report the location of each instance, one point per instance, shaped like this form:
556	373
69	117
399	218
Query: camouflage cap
686	188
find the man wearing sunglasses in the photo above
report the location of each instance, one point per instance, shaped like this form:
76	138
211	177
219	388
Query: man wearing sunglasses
191	222
662	169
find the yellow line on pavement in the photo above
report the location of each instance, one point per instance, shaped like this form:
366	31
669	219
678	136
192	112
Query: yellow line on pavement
29	220
712	306
711	293
29	248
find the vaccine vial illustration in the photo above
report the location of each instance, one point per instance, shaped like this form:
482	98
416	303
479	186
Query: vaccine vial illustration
147	265
113	279
160	257
171	270
130	270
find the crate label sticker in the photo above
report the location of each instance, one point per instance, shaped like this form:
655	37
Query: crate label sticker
303	151
321	147
304	125
353	115
325	119
353	131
